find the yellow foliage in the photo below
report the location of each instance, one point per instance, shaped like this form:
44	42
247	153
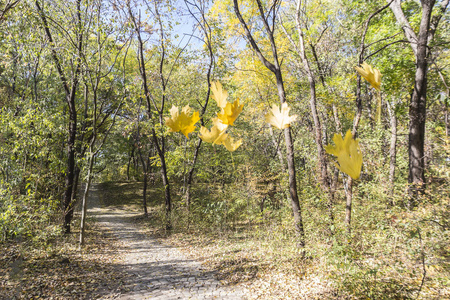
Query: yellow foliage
280	119
348	154
217	134
373	76
182	121
230	144
219	95
230	112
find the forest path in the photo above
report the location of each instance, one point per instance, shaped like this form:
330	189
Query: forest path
154	270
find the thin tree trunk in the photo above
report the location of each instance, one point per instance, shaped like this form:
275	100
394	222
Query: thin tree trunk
70	99
279	153
348	206
159	145
312	102
130	158
165	179
446	117
85	197
275	68
75	184
204	25
300	49
145	167
392	149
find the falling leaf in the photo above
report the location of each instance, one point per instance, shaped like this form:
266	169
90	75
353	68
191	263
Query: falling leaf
348	154
231	145
182	121
219	95
373	76
280	119
230	112
217	134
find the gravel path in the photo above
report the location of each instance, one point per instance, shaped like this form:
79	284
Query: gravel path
156	271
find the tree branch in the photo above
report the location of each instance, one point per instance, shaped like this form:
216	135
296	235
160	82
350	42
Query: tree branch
266	63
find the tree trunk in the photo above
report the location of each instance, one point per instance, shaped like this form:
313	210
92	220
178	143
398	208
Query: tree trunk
130	158
417	109
85	197
75	184
313	104
187	193
205	27
275	68
150	100
392	149
300	49
279	153
147	170
70	99
348	206
167	198
70	175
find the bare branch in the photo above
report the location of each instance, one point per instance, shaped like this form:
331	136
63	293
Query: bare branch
255	47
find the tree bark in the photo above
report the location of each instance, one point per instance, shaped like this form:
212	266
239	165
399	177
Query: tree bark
277	146
300	49
204	25
392	149
70	99
417	108
312	103
348	206
159	145
275	68
85	197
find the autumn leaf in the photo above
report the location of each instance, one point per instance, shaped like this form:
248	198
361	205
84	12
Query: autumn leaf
230	112
219	95
230	144
280	119
217	134
182	121
372	75
348	154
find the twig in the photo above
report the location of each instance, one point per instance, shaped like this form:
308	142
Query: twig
423	263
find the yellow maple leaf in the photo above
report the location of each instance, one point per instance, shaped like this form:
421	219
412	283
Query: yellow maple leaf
348	154
182	121
217	133
280	119
372	75
219	95
230	144
230	112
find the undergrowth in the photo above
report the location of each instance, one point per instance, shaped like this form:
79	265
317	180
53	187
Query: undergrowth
393	253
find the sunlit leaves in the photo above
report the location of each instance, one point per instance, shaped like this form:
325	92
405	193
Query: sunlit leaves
219	95
280	119
182	122
231	145
217	133
372	75
348	153
230	112
185	123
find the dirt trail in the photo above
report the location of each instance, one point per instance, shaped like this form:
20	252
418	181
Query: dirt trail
155	271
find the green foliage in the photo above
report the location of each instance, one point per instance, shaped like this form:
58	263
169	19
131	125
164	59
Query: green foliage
22	216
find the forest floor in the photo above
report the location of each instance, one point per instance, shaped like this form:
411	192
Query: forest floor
125	258
119	261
